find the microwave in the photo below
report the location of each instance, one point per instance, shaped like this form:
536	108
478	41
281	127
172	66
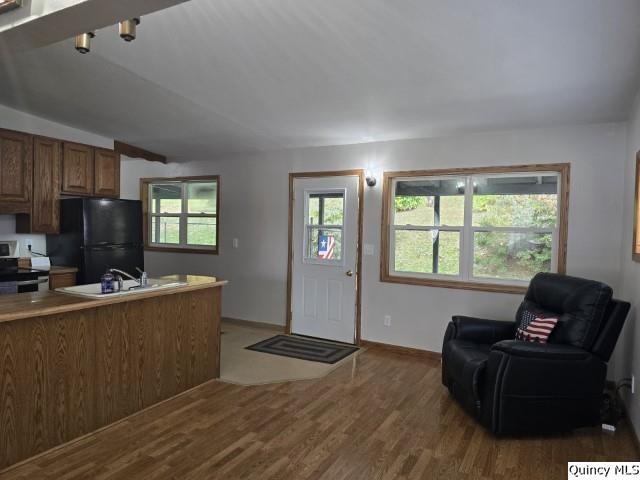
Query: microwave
9	249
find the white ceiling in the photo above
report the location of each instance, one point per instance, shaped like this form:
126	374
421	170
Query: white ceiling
209	77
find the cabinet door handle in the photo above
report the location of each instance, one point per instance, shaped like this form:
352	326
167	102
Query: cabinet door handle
349	273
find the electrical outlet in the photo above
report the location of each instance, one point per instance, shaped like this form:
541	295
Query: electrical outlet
633	384
29	243
387	320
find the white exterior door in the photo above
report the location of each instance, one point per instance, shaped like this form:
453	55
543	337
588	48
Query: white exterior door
325	246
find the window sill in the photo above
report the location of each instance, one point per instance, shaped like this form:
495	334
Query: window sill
456	284
209	251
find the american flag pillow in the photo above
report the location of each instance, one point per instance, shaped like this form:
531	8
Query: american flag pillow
535	328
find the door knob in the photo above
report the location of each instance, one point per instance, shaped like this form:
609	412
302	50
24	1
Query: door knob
349	273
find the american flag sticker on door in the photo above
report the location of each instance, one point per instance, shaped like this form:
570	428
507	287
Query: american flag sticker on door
326	246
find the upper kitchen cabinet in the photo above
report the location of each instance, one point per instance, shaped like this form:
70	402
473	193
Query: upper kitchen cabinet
107	173
45	214
16	171
77	169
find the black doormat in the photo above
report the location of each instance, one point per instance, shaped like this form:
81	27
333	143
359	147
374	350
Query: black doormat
303	348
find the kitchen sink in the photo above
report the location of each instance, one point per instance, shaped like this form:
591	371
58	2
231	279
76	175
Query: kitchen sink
130	287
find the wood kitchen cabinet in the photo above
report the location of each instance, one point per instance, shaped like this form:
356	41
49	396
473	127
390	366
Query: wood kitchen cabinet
35	171
16	171
71	366
45	212
107	173
60	277
47	164
77	169
90	171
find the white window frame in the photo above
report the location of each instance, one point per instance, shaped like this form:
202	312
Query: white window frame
468	231
183	216
393	228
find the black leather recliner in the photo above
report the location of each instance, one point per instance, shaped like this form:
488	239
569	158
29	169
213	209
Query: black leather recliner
521	388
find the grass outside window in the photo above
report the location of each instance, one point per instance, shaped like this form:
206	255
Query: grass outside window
483	229
181	214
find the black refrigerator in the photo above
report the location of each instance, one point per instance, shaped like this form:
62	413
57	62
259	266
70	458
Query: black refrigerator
97	234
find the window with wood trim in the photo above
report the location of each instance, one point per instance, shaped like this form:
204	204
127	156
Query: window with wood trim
636	214
181	214
483	229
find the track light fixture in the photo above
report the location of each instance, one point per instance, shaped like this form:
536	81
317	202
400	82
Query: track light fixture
128	29
83	42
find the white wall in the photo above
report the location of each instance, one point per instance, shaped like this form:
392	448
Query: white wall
627	355
254	209
16	120
254	202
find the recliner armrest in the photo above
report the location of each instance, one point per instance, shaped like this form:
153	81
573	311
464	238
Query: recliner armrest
479	330
548	351
545	377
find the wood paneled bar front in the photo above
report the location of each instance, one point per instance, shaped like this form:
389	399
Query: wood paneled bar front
70	365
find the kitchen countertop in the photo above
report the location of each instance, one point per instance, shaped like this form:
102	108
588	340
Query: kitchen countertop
26	305
55	270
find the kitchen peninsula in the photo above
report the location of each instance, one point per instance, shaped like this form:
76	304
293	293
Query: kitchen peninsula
70	365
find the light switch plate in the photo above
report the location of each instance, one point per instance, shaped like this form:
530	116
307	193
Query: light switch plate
235	243
368	249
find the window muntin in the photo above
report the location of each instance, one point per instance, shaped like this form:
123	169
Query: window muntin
497	228
428	219
165	230
427	252
183	214
167	198
515	201
202	197
324	226
516	256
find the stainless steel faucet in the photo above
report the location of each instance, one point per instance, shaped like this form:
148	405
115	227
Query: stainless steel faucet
143	281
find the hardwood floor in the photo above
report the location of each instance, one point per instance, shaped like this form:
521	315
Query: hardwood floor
383	416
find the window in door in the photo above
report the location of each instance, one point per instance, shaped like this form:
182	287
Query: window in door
324	224
181	213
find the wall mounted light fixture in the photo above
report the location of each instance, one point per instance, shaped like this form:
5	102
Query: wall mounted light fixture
83	42
128	29
370	178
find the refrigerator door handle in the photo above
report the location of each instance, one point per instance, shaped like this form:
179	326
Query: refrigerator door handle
103	248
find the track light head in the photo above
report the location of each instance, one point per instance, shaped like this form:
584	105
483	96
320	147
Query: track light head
83	42
128	29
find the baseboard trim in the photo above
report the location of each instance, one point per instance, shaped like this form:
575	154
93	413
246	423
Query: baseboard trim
402	350
253	324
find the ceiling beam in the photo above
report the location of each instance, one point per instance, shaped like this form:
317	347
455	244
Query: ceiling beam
136	152
24	29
